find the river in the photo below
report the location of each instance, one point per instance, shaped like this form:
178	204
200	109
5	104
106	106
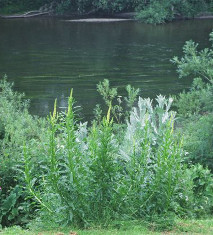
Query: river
46	57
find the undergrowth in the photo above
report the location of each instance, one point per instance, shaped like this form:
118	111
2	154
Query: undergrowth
89	177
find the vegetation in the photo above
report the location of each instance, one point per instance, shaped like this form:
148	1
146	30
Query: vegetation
16	127
195	107
138	161
160	11
152	11
15	6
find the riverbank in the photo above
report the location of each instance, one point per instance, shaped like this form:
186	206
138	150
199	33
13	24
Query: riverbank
198	227
154	12
97	17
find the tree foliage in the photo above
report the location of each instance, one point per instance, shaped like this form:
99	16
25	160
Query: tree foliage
149	11
160	11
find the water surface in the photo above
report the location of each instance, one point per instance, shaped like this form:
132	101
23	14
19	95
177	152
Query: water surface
46	57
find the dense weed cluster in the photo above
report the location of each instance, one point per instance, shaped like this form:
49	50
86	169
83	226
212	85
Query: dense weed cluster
90	176
75	174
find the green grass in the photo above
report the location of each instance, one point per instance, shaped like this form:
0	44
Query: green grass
133	228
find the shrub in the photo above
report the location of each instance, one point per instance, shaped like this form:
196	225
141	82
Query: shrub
197	104
17	127
160	11
196	63
198	100
156	13
202	190
199	140
80	170
14	6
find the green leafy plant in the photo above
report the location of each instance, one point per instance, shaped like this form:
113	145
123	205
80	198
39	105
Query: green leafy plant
161	11
14	210
195	106
199	140
202	189
196	63
198	100
153	157
156	13
119	109
17	127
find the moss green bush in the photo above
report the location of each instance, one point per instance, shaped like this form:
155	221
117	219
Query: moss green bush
195	107
17	127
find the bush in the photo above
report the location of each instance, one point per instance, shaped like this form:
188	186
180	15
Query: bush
120	106
14	6
156	13
160	11
93	6
17	127
197	101
199	140
196	63
202	189
197	104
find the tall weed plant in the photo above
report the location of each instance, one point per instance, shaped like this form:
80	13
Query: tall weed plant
153	159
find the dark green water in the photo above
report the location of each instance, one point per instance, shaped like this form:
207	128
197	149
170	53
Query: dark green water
47	57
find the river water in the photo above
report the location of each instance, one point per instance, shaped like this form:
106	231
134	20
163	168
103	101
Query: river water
46	57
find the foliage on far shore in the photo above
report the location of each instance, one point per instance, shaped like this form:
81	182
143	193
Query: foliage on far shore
161	11
152	11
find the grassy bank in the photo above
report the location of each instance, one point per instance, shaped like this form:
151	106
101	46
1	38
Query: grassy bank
137	228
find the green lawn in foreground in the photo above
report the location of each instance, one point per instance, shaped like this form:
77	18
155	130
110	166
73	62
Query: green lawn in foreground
183	227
